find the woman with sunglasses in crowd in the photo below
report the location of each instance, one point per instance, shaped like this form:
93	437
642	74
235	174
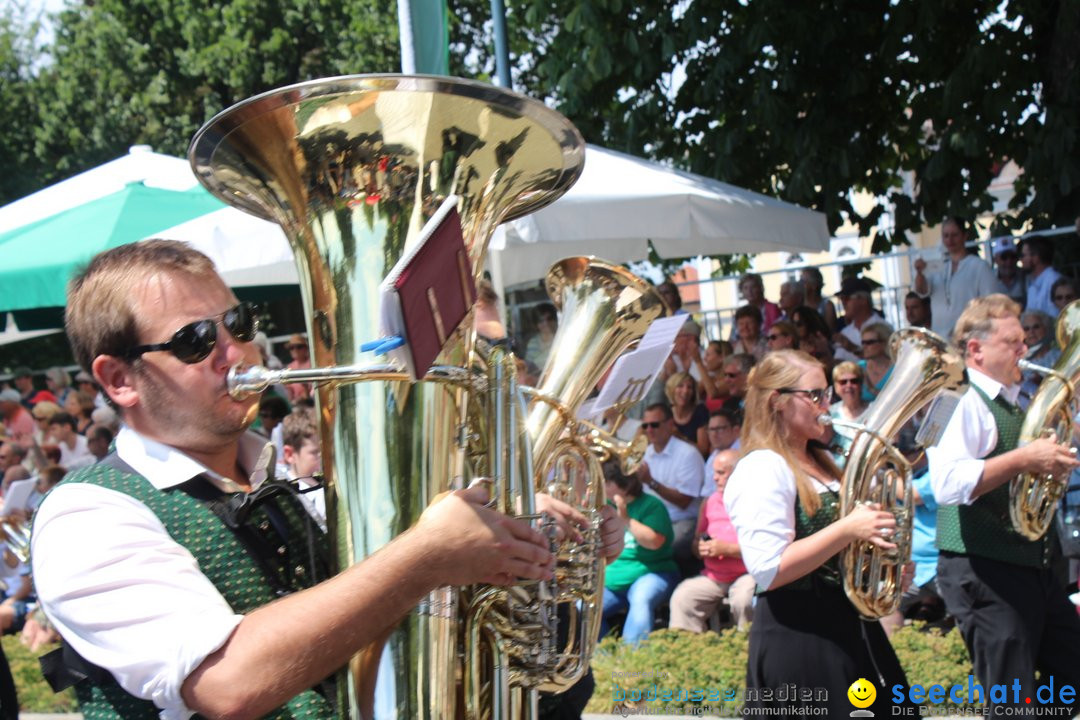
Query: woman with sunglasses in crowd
784	500
690	415
847	380
877	360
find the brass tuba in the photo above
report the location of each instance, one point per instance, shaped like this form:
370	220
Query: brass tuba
351	168
876	472
1033	498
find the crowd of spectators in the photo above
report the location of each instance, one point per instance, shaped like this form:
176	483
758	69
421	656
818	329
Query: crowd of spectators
703	405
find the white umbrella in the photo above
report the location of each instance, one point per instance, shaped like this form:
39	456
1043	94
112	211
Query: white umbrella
246	250
139	165
621	203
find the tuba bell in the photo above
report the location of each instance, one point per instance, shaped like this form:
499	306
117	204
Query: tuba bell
926	369
352	168
1034	497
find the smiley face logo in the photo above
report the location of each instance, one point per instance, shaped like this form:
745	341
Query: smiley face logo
862	693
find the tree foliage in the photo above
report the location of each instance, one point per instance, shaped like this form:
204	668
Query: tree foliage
124	72
919	104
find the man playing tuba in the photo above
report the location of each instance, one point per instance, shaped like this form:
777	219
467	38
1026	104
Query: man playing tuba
157	566
1010	605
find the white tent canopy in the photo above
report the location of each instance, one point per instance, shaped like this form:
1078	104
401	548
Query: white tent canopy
621	203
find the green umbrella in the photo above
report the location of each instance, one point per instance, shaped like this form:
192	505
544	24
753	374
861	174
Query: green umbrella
38	260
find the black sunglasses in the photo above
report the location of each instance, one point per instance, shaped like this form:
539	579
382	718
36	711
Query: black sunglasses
818	396
651	425
195	341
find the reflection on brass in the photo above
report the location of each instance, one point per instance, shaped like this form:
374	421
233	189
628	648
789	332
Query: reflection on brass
876	472
1034	497
352	168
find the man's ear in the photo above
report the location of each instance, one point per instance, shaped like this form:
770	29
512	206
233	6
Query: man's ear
115	378
288	455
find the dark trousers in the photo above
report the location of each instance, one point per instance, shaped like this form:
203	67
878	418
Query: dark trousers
1014	620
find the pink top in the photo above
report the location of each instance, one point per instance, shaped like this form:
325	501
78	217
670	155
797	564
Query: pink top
717	523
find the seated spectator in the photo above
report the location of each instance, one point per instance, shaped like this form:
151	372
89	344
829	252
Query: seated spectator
24	384
85	382
724	576
1063	292
18	422
858	313
792	295
1037	257
1042	350
752	290
539	345
736	371
300	359
782	336
669	293
847	380
689	414
723	429
1007	269
58	381
80	405
43	413
303	460
685	355
106	417
813	334
917	310
877	362
98	440
750	339
713	384
642	577
74	452
672	472
814	284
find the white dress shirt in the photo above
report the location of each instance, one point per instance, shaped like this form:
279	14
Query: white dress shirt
950	292
678	467
956	462
76	457
119	589
760	498
1038	292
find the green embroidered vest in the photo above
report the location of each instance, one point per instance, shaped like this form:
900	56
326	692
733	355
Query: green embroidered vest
224	561
984	527
828	573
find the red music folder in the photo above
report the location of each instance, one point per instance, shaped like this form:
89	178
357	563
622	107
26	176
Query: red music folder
429	291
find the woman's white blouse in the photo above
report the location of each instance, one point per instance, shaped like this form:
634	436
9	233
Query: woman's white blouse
760	498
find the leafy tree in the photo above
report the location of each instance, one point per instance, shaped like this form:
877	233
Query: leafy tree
153	71
18	55
920	104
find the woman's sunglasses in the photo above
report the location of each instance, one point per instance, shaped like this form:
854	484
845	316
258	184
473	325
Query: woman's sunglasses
818	396
195	341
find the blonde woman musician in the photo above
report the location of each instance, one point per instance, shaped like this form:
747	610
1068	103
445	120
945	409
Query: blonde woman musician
784	499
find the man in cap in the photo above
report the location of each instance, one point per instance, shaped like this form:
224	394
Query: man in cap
1007	269
85	382
858	311
962	278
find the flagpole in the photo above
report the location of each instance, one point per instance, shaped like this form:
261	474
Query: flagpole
502	50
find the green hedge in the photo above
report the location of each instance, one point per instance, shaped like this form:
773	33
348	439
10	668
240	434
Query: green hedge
716	663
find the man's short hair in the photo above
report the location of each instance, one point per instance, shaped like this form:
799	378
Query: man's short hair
100	316
17	450
977	320
661	407
912	295
732	415
1041	247
52	474
745	361
63	418
100	432
298	427
748	311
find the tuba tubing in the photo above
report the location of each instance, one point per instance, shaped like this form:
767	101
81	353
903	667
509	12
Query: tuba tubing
876	472
1034	497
